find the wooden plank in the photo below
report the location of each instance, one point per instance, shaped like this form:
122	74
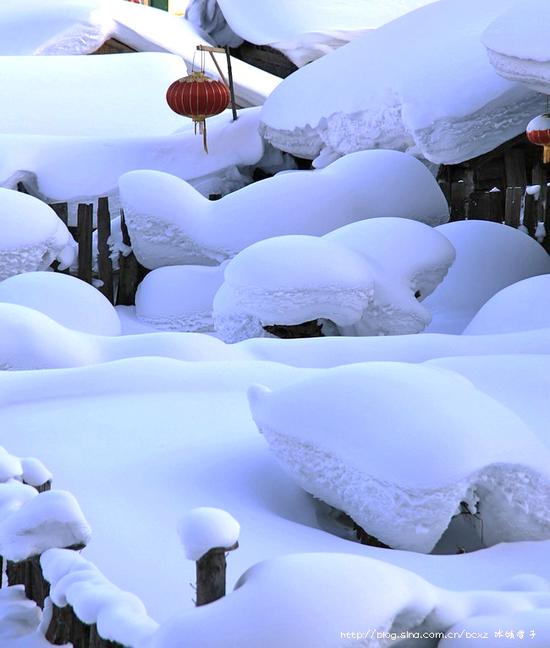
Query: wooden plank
104	263
458	201
516	168
512	212
129	274
530	213
211	570
85	216
62	210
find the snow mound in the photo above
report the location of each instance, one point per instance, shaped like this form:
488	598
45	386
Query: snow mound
67	300
170	223
31	235
13	494
482	268
206	528
523	306
51	519
303	30
392	470
408	260
19	618
446	109
30	470
517	44
290	280
120	616
179	298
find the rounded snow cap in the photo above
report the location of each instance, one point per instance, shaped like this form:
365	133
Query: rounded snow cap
205	528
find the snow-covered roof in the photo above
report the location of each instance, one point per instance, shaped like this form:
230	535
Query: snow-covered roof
518	46
81	26
387	89
303	30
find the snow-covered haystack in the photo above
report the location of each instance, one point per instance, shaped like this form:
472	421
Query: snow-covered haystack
446	108
119	616
67	300
79	152
402	473
291	280
31	235
331	600
409	260
523	306
179	298
489	257
170	223
517	44
303	30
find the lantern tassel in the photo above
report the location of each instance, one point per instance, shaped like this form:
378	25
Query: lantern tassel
205	143
546	155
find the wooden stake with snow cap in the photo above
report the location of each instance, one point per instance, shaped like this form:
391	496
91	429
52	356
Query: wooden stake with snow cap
207	534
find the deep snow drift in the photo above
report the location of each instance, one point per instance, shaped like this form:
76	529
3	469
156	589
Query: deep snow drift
170	223
445	108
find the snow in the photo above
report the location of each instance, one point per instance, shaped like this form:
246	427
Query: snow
31	235
10	466
170	223
365	278
79	143
67	300
120	616
290	280
482	268
517	44
523	306
71	27
446	108
179	298
19	617
51	519
303	30
35	472
13	494
342	439
206	528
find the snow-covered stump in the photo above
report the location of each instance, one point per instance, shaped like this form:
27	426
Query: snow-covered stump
207	535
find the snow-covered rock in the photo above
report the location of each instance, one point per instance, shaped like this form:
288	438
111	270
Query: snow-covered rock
408	260
31	235
446	108
205	528
170	223
483	267
523	306
78	152
179	298
289	280
51	519
119	616
517	44
303	30
343	439
67	300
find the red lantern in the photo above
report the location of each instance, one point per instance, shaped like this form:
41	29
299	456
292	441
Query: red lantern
198	97
538	132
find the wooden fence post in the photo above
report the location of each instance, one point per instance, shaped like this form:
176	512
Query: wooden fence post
211	574
129	275
512	210
104	263
85	229
530	213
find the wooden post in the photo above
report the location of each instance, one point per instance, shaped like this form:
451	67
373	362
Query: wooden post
458	201
512	210
129	275
211	570
85	229
530	215
231	86
104	263
29	573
